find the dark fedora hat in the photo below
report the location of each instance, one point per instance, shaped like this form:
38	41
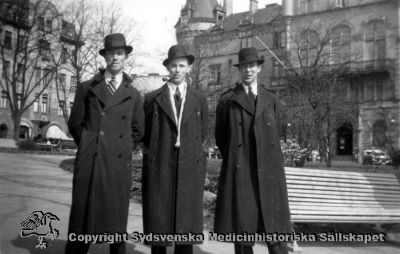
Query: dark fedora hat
113	41
178	51
249	55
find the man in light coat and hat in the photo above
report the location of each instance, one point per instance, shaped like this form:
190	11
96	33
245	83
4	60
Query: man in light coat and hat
174	160
252	194
106	122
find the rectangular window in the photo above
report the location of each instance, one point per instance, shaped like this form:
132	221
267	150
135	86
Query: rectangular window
379	91
20	72
215	73
7	40
41	23
3	100
306	6
46	77
279	40
246	42
44	50
44	103
212	102
38	73
36	104
71	103
339	3
276	68
369	90
73	84
21	43
49	25
62	79
61	106
6	69
19	98
64	55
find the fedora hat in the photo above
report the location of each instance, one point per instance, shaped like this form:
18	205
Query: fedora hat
113	41
248	55
178	51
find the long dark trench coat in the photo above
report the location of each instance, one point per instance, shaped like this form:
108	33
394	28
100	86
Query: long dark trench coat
106	129
159	172
250	172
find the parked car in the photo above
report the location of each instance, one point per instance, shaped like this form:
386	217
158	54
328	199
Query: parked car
375	157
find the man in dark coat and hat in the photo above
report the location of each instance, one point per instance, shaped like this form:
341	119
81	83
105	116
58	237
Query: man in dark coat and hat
174	159
106	122
252	194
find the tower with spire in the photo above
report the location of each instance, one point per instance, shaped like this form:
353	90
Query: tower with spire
198	16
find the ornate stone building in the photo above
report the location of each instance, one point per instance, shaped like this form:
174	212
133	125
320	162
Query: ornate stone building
56	40
363	34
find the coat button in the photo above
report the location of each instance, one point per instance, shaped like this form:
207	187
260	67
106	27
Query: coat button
123	117
198	160
121	136
119	155
240	145
127	164
196	137
101	133
156	138
103	113
268	124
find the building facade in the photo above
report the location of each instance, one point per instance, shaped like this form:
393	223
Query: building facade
362	35
48	83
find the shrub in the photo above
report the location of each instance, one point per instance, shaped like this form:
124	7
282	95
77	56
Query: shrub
27	144
293	154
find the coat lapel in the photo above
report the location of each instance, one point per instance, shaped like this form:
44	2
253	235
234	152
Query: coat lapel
241	98
262	100
164	101
189	106
98	88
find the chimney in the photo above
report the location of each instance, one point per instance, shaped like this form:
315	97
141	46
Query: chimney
253	6
228	6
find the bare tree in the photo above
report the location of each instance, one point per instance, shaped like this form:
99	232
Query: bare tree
31	45
85	25
317	103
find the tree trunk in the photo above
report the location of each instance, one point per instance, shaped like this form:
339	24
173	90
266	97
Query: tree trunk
17	127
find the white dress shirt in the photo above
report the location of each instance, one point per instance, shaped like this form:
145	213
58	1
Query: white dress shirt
118	78
253	88
182	89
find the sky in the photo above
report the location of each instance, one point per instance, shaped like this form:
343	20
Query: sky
157	19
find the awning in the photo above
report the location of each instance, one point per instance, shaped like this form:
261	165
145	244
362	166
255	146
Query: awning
54	132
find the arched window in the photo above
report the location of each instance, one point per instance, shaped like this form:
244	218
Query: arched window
340	39
375	44
308	45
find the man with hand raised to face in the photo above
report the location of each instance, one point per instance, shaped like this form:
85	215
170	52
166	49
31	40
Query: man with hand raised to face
174	161
252	195
106	122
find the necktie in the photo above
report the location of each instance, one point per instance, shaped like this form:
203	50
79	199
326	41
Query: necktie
178	101
252	96
112	85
